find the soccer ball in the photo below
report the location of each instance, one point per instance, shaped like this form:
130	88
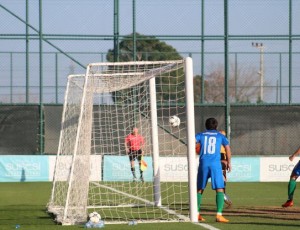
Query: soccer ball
94	217
94	221
174	121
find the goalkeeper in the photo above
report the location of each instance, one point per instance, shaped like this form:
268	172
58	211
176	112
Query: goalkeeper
134	144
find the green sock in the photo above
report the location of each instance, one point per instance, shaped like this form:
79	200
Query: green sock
220	201
291	189
199	200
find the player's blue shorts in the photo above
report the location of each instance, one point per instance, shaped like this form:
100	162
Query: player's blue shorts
211	170
296	170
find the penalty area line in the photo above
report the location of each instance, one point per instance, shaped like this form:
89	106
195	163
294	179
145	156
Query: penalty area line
206	226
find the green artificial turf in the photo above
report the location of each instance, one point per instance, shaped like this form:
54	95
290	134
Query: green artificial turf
255	206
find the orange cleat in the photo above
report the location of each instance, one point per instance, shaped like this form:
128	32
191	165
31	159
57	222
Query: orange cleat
288	203
221	219
200	218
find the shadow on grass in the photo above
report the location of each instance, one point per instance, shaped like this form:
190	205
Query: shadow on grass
261	216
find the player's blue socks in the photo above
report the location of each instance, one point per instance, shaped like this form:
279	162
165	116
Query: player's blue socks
291	189
199	200
220	202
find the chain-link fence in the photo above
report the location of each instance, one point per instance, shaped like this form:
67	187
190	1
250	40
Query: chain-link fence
245	53
255	130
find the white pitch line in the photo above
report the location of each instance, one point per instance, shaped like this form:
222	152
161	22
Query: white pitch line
207	226
145	201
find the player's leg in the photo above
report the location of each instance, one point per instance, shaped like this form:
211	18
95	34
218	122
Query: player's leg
139	157
217	183
202	178
227	200
132	159
291	190
224	167
292	186
220	206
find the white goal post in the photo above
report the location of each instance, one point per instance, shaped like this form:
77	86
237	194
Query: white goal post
92	170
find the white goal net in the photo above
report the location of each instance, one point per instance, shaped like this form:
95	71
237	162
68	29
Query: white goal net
93	170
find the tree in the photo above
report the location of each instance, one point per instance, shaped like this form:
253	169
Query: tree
243	86
149	48
197	88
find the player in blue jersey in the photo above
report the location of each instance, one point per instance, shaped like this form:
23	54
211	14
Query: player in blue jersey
292	183
210	143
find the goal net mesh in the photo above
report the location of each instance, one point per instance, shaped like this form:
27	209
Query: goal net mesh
92	169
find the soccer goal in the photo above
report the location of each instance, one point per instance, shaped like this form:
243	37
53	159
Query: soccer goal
92	170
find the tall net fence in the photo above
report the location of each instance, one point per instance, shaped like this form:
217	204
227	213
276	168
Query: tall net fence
246	51
255	130
44	41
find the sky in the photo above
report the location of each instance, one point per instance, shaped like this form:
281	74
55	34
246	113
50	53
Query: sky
248	21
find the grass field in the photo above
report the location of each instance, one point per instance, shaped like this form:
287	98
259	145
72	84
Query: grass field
255	206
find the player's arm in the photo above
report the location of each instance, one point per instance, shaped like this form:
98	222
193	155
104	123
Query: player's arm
228	155
143	145
126	145
296	153
197	147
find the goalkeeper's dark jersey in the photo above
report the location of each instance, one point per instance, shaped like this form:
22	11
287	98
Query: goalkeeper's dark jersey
223	154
